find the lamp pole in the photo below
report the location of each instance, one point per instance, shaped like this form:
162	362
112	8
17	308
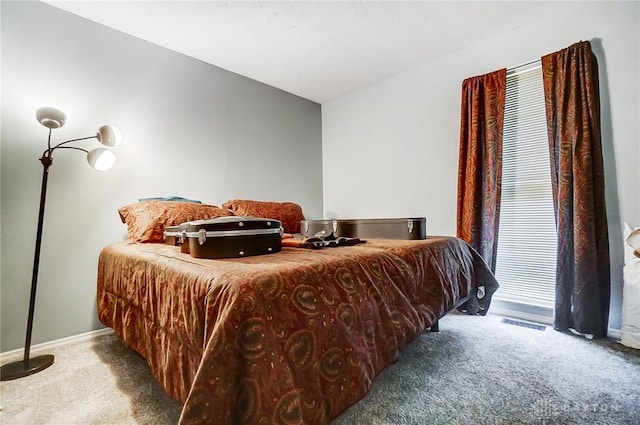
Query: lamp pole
28	365
37	363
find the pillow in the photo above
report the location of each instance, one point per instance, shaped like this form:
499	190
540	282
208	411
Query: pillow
631	238
288	213
631	288
146	220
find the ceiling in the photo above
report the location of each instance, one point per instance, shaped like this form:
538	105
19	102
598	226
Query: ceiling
316	50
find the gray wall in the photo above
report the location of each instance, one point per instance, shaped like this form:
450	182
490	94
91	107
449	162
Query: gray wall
402	133
190	129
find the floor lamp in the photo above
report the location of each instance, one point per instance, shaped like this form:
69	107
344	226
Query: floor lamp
101	159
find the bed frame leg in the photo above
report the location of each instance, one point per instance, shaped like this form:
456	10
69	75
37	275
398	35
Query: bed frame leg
435	327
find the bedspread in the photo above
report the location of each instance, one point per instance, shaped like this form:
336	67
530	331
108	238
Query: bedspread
289	338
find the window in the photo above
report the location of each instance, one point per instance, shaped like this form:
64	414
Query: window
526	258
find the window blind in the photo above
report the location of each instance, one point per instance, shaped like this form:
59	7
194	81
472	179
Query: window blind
526	258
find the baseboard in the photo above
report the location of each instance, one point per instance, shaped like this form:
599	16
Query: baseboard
500	311
16	354
614	333
521	315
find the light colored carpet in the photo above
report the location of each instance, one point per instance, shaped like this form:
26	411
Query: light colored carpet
476	370
94	382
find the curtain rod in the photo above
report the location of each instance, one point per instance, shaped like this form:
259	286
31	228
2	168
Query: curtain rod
531	62
522	65
517	70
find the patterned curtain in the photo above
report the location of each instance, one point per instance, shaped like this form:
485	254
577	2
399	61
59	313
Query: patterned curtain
480	162
573	123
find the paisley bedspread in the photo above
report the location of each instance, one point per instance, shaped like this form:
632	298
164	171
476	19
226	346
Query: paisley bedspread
294	337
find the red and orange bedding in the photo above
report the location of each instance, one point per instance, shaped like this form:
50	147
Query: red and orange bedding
292	337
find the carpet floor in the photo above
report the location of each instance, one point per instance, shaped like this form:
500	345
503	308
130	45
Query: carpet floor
476	370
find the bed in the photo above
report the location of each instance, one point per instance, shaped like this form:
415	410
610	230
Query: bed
294	337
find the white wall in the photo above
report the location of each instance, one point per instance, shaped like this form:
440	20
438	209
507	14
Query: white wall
391	149
190	129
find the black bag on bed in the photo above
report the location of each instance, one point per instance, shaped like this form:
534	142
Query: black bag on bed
229	237
368	228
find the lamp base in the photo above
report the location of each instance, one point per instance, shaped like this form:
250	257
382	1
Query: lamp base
22	368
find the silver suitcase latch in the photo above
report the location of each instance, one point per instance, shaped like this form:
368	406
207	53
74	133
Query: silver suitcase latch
202	236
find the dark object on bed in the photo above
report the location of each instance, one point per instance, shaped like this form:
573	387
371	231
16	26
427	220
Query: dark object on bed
320	241
229	237
294	337
373	228
170	199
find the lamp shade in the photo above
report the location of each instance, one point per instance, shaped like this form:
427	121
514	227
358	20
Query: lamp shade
50	117
109	135
101	159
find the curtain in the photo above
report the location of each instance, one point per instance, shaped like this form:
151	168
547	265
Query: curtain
572	104
480	162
